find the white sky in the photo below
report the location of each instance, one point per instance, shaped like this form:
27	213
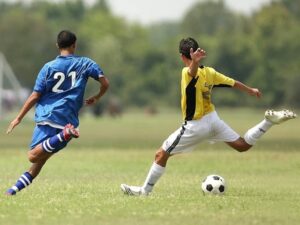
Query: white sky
151	11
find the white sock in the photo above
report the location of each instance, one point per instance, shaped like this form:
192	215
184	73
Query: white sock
253	134
155	172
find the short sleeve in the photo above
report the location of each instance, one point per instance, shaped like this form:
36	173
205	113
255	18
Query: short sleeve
40	83
94	70
221	79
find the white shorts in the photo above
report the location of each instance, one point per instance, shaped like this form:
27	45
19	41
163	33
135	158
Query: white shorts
210	127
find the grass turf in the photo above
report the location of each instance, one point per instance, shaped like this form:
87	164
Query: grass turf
80	185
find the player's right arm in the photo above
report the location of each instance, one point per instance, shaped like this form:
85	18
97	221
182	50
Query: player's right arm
196	56
30	102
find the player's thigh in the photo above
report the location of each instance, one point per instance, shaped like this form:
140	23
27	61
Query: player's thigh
186	137
223	132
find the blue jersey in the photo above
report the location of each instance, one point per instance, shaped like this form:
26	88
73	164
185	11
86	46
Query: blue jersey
62	83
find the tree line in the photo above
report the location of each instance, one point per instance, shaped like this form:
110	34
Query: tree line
142	62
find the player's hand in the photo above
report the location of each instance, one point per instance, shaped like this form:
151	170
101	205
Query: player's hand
91	100
255	92
12	125
198	54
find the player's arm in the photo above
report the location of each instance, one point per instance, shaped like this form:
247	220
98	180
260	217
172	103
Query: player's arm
243	87
196	57
30	102
104	84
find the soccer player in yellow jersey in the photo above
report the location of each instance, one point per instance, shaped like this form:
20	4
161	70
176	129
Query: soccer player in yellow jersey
201	121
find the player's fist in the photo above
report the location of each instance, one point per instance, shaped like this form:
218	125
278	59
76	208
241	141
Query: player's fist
255	92
91	100
198	54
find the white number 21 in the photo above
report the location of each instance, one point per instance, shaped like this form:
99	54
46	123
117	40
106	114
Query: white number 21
61	78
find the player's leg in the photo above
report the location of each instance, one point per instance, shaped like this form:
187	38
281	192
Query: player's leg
26	178
253	134
182	140
42	152
240	145
36	167
271	118
157	169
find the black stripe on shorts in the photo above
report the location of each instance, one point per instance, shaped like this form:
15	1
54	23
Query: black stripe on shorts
173	145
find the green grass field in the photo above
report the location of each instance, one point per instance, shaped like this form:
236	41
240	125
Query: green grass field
81	184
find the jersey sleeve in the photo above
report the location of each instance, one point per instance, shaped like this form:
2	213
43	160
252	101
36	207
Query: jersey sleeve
40	83
221	79
94	70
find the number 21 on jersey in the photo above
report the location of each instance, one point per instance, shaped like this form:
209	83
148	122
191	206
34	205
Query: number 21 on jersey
61	77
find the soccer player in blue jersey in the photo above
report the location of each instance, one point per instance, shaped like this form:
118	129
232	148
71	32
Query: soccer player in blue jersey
58	96
201	121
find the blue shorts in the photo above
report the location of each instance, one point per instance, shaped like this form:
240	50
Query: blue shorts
42	133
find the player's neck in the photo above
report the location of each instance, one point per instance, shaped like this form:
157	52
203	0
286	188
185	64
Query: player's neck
67	51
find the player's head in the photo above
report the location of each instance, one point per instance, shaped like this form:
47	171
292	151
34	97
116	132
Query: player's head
66	39
186	44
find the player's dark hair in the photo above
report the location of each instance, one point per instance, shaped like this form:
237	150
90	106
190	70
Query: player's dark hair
186	44
65	39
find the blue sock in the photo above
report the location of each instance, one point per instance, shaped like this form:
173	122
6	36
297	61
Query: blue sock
24	181
54	143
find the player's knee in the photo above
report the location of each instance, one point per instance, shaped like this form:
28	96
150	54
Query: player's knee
32	158
240	145
243	148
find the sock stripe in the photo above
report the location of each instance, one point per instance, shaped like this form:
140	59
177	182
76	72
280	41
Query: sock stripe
23	181
45	147
26	179
48	144
15	188
60	138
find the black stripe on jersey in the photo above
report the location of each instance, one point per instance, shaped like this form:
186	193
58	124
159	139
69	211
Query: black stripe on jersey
173	145
222	85
190	92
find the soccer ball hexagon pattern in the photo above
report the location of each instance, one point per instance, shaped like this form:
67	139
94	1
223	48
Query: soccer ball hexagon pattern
213	184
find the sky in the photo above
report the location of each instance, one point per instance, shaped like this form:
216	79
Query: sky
152	11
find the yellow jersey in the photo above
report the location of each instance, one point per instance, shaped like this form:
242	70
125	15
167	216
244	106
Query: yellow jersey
196	91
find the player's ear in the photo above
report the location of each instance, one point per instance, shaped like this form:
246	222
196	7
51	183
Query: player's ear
56	45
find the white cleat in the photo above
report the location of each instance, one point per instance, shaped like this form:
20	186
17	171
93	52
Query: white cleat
133	190
277	117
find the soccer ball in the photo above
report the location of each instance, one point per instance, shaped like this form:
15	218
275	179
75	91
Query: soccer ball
213	184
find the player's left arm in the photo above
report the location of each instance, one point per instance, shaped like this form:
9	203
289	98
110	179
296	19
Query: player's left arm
30	102
104	84
243	87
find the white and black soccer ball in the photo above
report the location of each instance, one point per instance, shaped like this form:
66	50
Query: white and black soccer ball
213	184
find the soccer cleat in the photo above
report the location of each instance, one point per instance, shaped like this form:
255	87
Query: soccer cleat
133	190
70	131
277	117
10	192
